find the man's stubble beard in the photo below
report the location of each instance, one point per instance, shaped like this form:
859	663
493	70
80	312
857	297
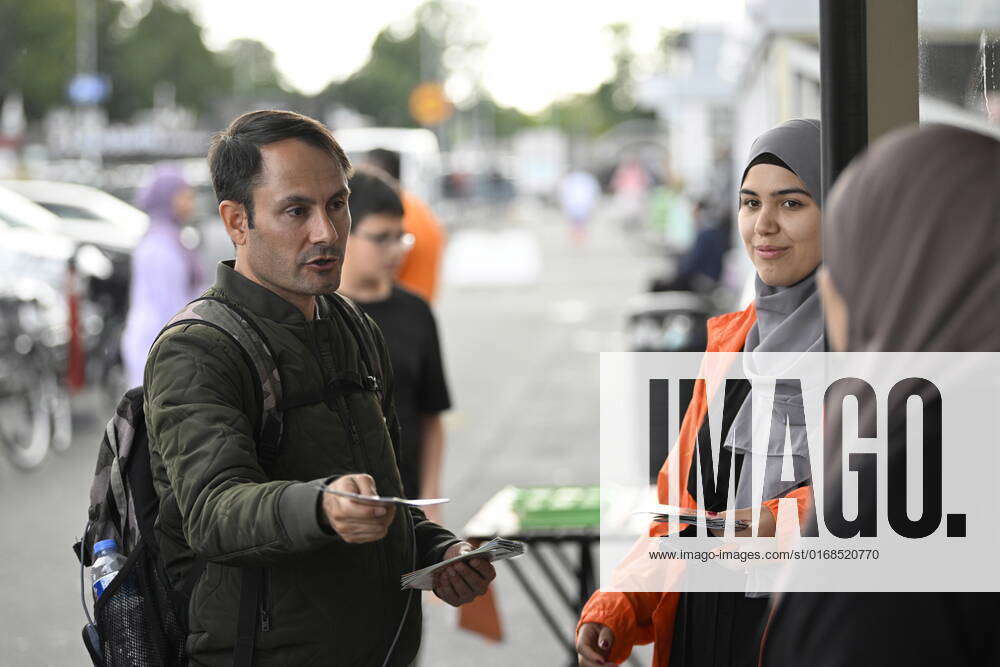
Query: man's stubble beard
280	276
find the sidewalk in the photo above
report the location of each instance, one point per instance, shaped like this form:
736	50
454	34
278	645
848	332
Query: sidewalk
523	364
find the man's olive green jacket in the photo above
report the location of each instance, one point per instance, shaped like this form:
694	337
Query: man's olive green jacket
324	601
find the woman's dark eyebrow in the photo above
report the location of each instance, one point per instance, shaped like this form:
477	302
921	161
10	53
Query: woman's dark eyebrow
778	193
791	191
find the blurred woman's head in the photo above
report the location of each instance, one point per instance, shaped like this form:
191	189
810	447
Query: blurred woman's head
167	196
780	200
912	243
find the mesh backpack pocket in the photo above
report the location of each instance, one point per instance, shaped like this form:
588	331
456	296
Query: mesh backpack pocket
136	619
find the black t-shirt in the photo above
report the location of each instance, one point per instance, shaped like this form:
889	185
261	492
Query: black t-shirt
410	332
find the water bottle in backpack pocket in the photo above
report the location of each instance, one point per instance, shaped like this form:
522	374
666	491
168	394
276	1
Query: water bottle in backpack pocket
137	614
107	563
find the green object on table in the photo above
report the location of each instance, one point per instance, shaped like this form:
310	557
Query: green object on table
558	506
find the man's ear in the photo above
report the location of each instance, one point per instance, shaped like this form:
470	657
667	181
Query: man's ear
234	217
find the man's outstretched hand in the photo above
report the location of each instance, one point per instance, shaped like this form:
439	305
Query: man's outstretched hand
464	581
355	521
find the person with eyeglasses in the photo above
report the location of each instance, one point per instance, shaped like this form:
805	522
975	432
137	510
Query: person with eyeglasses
376	247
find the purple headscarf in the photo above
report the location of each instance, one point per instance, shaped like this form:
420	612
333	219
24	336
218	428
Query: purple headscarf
157	198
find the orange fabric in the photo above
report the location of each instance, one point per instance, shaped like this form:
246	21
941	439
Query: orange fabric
641	618
420	269
804	499
481	616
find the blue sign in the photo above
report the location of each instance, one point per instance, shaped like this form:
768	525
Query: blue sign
88	89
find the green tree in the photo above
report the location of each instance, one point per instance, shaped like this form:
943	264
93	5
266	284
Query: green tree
166	45
252	66
509	120
38	48
611	103
381	87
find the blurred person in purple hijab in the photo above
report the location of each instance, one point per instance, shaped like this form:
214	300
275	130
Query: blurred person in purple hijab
165	274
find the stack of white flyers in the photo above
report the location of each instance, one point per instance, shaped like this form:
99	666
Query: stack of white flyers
496	549
713	520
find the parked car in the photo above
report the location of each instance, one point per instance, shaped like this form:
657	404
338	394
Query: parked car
31	243
86	214
420	156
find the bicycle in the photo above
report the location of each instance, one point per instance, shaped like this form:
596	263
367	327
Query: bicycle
34	406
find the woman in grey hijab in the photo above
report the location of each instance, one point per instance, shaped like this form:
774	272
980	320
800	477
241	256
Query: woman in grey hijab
779	223
912	243
785	249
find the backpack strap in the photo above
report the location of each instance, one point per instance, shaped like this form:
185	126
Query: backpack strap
360	327
228	318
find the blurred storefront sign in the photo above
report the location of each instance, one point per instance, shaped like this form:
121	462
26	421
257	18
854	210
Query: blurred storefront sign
160	134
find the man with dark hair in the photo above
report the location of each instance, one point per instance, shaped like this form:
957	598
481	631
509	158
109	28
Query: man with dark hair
330	565
234	157
386	160
375	249
421	267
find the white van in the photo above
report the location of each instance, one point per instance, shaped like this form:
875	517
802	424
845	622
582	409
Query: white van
419	154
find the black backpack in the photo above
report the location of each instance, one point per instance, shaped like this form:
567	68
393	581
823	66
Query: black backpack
140	620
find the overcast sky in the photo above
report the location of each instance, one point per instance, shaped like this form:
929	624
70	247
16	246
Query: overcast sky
537	50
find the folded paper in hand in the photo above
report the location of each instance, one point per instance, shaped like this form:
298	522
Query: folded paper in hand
496	549
384	500
713	520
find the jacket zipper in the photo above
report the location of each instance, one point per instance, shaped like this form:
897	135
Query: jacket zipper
347	418
265	601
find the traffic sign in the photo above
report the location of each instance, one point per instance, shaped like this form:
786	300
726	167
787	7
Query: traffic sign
429	105
87	89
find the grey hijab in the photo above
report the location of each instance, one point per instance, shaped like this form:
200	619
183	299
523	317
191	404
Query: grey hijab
789	319
796	143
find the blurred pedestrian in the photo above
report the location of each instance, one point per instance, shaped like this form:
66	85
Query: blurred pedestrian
630	183
375	248
911	245
700	268
165	274
421	268
779	222
579	194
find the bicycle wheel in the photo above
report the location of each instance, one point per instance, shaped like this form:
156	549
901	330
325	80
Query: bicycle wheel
26	424
61	415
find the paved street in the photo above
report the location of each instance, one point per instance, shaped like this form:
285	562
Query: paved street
521	355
